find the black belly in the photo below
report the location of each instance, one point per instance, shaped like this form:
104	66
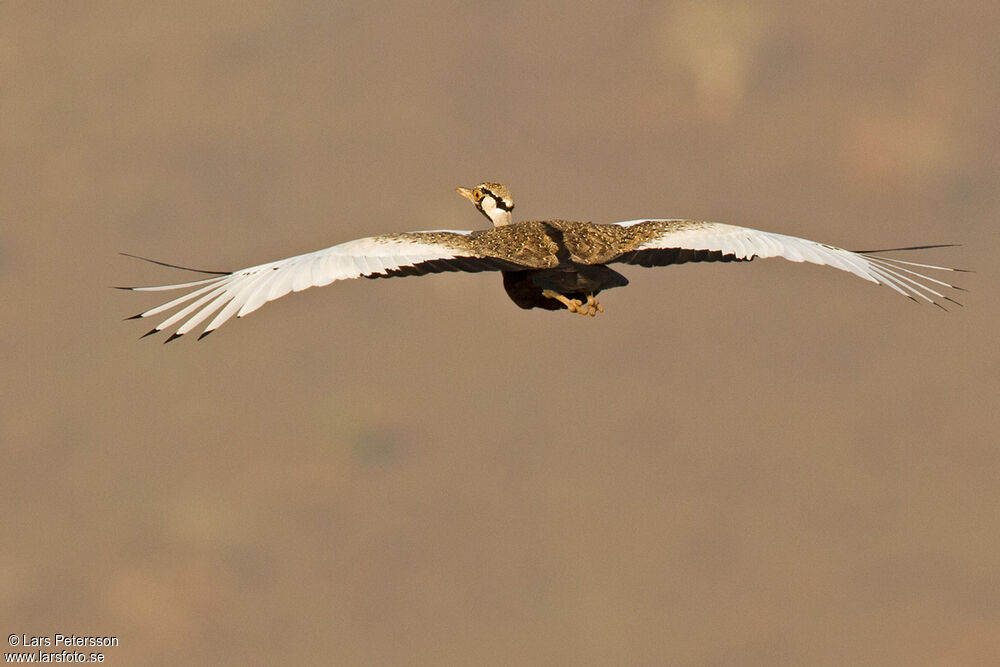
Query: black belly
525	287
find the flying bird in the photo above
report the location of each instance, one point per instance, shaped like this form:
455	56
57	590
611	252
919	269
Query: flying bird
549	264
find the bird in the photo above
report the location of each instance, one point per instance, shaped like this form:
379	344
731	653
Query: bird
548	264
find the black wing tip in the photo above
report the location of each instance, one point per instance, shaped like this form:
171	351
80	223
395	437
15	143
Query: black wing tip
173	266
173	336
149	333
133	317
912	247
205	333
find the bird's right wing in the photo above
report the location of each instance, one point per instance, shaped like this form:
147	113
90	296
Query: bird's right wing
242	292
663	242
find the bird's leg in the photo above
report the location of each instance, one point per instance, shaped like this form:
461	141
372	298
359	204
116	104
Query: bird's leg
572	305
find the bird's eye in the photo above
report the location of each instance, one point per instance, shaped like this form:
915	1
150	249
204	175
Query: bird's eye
478	194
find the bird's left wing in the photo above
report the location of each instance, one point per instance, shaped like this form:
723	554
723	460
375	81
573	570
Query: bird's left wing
244	291
663	242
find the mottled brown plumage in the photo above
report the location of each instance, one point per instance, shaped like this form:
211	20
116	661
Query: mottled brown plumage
563	256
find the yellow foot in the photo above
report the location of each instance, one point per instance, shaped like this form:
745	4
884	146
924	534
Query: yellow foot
572	305
591	307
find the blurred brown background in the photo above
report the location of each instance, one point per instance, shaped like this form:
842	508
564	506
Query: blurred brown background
764	464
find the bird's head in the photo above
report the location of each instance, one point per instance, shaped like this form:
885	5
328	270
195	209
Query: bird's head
493	200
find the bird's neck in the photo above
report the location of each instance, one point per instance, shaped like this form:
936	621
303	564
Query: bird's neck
499	217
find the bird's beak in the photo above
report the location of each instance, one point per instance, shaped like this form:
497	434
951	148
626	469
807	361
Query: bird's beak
467	193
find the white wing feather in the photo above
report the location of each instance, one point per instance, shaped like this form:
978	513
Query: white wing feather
746	243
244	291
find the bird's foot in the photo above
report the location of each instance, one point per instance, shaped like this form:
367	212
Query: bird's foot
591	307
572	305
